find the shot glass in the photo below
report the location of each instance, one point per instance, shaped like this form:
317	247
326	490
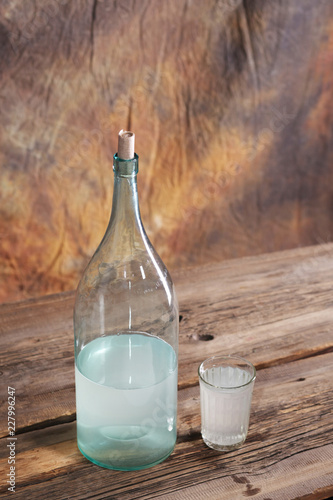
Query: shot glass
226	385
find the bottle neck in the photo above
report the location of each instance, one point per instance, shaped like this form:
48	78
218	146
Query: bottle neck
125	223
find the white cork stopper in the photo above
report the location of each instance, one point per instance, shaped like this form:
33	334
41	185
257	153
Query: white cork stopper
126	145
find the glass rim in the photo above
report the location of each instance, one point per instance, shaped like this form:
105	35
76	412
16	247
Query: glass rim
227	357
125	168
124	160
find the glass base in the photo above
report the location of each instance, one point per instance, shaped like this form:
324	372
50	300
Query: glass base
222	447
124	468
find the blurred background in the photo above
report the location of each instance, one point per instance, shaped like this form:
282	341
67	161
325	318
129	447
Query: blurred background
231	104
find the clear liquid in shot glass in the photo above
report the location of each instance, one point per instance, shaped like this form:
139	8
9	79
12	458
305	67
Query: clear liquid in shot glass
225	397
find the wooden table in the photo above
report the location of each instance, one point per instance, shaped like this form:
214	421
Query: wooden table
275	309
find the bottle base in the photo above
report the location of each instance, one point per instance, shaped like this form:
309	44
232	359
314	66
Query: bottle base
124	467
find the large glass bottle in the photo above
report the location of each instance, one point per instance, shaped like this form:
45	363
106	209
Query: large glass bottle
126	339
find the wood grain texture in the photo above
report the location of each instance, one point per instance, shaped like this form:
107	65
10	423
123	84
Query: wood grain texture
271	309
287	432
289	450
230	103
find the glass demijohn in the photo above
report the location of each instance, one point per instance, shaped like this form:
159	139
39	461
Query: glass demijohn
126	339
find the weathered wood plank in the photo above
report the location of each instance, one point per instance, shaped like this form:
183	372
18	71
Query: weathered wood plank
288	453
271	309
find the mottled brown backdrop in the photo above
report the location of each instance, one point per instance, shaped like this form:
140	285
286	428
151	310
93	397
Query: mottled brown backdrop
231	103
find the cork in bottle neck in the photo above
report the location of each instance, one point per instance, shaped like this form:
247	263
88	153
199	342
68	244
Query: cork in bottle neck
126	141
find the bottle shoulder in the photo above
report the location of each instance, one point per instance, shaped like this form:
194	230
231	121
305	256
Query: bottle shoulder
142	271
